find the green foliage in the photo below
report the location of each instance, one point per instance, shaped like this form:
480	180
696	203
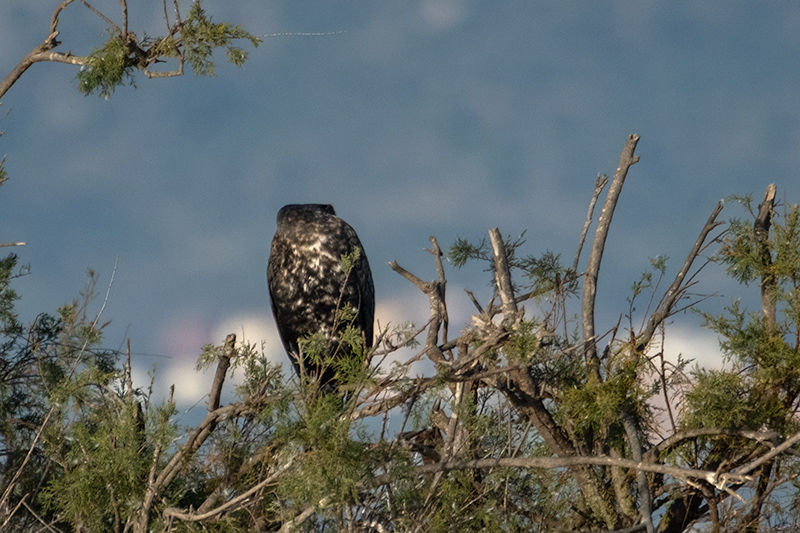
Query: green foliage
8	317
723	399
201	37
100	453
3	173
524	343
106	68
349	261
546	273
194	41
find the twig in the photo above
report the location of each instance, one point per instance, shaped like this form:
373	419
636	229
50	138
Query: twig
32	447
105	18
49	527
600	184
678	286
13	512
230	504
749	467
108	292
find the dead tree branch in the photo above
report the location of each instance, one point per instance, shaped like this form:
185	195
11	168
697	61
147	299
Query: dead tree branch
768	279
678	286
435	292
626	160
196	438
642	486
600	184
232	504
503	277
720	480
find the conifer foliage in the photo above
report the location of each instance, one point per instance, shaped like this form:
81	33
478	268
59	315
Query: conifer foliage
535	416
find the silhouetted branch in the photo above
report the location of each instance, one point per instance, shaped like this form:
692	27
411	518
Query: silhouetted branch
679	284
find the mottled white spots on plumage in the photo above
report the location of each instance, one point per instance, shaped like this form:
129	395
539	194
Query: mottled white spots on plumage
306	283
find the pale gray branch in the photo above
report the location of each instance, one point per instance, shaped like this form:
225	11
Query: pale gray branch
600	184
503	276
626	160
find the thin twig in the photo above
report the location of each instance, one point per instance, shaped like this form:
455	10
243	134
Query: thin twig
749	467
678	286
108	292
105	18
49	527
600	184
233	503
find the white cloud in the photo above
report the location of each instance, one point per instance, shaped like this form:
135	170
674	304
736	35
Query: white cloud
695	343
255	329
443	14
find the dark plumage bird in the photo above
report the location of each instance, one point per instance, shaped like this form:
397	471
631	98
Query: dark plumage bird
307	286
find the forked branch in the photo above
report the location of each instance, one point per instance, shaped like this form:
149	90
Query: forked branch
626	160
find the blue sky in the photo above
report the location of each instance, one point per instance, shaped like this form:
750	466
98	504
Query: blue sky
417	118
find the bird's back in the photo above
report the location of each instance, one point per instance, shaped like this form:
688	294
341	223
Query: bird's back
307	285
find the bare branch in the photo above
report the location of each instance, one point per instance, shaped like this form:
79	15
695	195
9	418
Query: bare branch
13	512
56	13
105	18
673	440
48	527
678	286
441	285
123	4
13	482
434	291
626	160
768	281
503	276
233	503
749	467
600	184
292	524
196	438
716	479
642	486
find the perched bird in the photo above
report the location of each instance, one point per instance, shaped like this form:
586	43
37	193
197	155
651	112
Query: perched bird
308	288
